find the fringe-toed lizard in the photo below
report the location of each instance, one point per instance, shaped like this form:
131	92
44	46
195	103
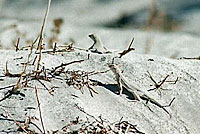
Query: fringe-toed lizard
134	89
97	46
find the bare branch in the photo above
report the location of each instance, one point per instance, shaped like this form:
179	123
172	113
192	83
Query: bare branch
127	50
41	34
17	44
65	64
39	108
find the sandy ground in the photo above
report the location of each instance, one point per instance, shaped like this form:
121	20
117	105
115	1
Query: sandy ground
59	109
157	51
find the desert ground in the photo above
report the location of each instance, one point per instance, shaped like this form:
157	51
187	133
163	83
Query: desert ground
99	66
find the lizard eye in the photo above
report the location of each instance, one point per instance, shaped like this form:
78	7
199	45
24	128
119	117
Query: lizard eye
111	66
91	35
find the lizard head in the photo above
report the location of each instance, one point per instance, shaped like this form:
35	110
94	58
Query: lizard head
114	68
93	37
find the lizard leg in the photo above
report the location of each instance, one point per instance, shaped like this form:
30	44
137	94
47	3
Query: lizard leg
120	86
144	97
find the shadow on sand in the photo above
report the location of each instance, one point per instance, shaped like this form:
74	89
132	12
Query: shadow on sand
114	88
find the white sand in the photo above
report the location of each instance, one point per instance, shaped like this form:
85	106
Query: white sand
60	109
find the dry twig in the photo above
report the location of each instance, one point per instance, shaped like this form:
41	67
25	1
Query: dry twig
17	44
100	125
158	85
128	49
189	58
18	124
41	35
79	79
66	64
39	109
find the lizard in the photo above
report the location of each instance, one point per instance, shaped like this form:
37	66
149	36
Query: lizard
133	88
97	46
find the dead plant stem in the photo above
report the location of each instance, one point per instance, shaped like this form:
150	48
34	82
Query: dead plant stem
41	34
39	109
